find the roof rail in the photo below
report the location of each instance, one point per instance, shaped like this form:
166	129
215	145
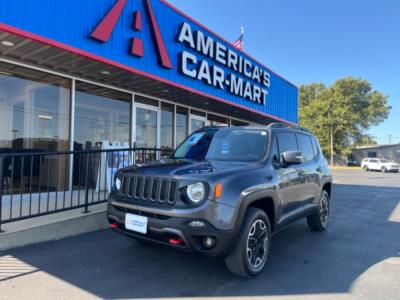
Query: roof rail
282	125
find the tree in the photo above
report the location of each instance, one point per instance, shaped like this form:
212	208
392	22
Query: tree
364	140
340	114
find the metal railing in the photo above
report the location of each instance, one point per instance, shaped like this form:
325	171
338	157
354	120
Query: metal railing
34	184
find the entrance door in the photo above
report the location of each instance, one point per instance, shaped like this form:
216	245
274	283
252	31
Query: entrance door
197	122
147	126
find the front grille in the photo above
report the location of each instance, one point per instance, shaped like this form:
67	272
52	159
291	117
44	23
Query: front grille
154	190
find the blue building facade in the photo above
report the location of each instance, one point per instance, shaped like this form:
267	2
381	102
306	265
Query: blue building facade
72	23
110	64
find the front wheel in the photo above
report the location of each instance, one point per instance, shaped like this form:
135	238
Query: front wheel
319	221
251	251
384	170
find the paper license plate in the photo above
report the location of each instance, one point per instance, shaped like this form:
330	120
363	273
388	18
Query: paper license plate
136	223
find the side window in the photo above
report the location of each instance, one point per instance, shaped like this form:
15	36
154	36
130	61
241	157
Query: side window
286	142
373	161
305	146
315	146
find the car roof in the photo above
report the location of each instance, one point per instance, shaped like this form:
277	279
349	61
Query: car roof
257	127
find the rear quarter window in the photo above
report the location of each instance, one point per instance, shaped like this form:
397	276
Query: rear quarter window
305	146
315	145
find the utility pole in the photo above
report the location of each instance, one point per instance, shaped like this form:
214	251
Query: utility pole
331	146
390	139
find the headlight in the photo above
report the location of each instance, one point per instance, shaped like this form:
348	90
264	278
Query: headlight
118	184
196	192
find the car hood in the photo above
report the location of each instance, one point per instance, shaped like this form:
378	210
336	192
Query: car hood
185	168
390	164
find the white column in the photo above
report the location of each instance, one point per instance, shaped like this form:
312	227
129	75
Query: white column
189	123
133	121
174	128
72	133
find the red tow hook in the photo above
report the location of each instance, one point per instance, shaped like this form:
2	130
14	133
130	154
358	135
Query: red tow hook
175	241
114	225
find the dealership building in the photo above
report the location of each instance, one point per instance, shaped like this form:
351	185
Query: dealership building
74	74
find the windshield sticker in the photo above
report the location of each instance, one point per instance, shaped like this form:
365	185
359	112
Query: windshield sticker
263	133
225	148
195	138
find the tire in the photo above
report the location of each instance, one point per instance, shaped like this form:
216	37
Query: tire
319	221
366	169
255	224
384	170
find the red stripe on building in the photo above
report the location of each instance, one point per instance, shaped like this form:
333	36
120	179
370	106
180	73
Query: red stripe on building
106	26
137	20
137	47
161	49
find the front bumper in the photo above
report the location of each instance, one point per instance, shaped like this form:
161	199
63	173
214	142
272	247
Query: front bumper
162	226
392	168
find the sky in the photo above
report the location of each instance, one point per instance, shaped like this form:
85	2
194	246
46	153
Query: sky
316	41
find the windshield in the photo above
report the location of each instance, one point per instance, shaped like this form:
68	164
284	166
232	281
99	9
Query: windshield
195	146
247	145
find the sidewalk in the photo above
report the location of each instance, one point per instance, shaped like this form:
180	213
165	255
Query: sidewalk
53	227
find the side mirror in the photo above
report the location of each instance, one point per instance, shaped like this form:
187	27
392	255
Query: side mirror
292	157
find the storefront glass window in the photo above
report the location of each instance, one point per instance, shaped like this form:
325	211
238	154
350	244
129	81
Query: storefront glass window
167	123
101	115
196	124
34	110
181	124
215	120
34	114
146	127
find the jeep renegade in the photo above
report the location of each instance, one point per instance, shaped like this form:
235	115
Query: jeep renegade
224	192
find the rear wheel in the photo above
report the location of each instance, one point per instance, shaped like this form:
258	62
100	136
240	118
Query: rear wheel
251	251
367	169
319	221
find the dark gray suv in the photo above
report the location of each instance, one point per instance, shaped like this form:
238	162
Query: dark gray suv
224	192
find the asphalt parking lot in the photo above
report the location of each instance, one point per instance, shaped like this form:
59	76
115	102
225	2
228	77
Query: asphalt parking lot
358	257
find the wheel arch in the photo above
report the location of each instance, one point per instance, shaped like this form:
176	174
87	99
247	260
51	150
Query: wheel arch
265	200
327	187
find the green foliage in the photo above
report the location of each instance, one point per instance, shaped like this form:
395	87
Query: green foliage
348	107
364	140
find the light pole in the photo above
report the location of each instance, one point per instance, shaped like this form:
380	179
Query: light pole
331	145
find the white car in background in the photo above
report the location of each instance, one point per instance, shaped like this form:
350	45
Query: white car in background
379	164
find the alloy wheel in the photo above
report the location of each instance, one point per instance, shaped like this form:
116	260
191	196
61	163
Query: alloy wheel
324	211
257	244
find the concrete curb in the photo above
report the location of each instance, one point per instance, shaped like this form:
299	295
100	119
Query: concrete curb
344	168
55	230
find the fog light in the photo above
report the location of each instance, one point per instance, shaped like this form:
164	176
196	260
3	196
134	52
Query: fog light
175	241
197	224
209	242
114	225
